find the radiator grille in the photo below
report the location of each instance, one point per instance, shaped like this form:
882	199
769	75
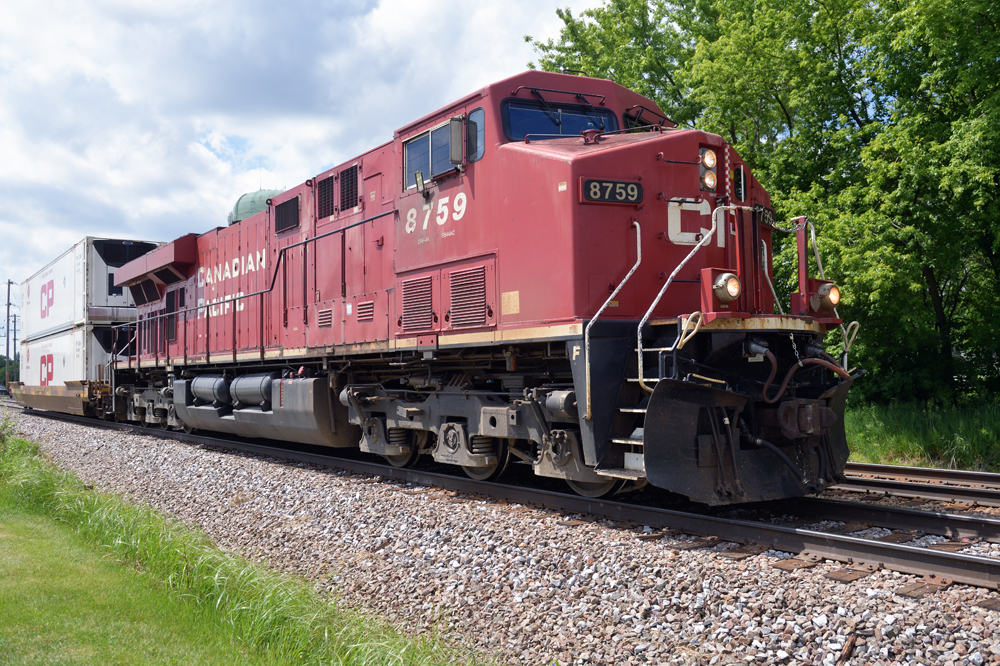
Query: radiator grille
286	215
366	311
327	206
418	306
349	187
324	318
468	297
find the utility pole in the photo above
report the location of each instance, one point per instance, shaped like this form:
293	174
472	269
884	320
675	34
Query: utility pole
15	348
6	364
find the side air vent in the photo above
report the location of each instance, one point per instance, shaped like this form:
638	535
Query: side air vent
349	188
324	318
286	215
418	306
167	276
366	311
327	206
150	291
138	297
468	297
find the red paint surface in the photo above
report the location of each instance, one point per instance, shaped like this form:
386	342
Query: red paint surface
524	222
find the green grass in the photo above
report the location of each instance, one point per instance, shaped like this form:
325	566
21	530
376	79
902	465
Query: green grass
274	618
906	434
62	602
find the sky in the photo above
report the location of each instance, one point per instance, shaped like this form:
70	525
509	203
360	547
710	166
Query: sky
147	120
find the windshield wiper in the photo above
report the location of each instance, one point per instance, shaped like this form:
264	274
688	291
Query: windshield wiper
551	112
593	109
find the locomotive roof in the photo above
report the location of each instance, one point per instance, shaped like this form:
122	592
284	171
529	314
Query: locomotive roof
555	84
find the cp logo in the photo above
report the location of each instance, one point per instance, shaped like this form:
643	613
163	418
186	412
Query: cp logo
45	297
47	365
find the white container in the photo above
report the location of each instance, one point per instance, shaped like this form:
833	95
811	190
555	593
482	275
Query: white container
77	288
78	354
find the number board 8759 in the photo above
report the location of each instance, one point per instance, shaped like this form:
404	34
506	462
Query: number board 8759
598	190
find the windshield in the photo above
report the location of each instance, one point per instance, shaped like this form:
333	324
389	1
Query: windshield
523	118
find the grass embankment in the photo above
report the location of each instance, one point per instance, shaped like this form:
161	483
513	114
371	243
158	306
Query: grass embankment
191	603
906	434
62	602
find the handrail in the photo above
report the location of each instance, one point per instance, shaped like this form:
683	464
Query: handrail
774	294
856	325
274	277
586	331
706	239
560	92
851	330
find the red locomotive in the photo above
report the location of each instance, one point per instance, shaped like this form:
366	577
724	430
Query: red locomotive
547	271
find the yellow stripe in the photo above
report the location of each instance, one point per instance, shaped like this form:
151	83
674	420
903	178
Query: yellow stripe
768	323
444	340
542	332
461	339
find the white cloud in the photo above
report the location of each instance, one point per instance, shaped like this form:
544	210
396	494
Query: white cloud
149	119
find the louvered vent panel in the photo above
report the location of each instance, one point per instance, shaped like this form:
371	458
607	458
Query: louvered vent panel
418	306
366	311
468	297
286	215
349	187
324	318
327	205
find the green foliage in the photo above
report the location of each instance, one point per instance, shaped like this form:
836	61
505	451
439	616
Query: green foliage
278	617
880	121
7	427
14	367
954	437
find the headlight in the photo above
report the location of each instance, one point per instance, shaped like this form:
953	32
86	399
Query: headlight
709	180
708	159
829	295
727	287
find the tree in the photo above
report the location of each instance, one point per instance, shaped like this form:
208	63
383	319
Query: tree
15	368
881	121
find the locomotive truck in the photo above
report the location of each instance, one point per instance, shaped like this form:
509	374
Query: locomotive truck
546	272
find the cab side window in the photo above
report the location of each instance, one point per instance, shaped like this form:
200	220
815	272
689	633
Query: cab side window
428	154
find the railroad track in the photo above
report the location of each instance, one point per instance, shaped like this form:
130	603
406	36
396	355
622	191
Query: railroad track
946	485
862	555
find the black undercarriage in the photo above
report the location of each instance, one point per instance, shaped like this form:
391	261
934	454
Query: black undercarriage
728	417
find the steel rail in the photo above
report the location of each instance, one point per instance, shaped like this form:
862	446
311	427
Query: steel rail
955	526
924	474
970	569
921	490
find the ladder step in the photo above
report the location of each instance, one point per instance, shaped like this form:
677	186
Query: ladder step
637	442
635	380
652	349
632	410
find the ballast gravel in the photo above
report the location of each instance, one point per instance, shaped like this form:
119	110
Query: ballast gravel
522	585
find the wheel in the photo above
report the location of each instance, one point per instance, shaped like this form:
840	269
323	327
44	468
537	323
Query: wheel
596	490
405	438
404	459
494	471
